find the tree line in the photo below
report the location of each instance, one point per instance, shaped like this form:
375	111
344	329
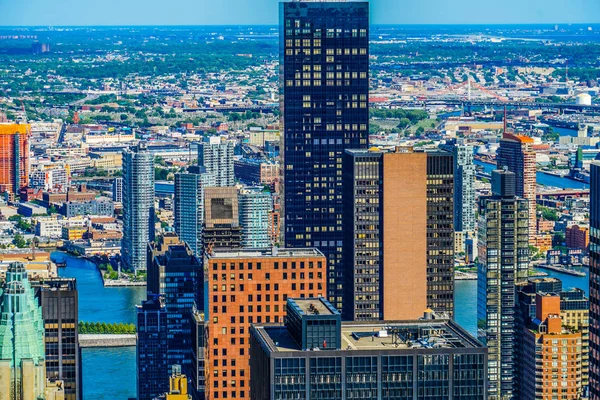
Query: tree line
103	328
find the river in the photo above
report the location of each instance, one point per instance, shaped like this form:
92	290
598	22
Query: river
109	373
543	179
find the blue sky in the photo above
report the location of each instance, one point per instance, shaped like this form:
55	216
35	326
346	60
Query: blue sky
223	12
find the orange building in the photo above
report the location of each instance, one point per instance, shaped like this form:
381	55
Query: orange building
516	154
551	355
578	237
542	242
250	287
14	157
544	226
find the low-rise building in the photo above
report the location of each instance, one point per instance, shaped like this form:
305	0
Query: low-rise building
578	237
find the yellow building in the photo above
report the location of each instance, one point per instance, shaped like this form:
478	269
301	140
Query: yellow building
73	233
177	385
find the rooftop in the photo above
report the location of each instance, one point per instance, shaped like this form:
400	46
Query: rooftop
264	253
314	306
408	335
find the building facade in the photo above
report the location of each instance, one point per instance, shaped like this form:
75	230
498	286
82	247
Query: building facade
324	94
151	348
179	277
503	263
138	206
398	234
221	218
250	287
22	354
58	298
440	233
255	206
315	357
516	154
217	157
117	190
189	206
14	157
595	281
547	344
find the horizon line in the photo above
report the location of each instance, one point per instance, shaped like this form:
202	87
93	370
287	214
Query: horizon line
278	25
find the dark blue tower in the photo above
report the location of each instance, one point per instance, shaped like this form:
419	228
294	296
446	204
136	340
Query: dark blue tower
324	88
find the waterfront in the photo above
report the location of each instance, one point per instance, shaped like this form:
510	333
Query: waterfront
543	179
109	373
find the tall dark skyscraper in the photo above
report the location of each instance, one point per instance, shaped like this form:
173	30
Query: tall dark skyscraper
58	298
440	232
503	263
151	348
595	282
324	88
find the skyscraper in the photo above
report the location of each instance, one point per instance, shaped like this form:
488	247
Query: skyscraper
595	281
58	298
180	278
398	234
117	190
22	355
14	157
255	207
151	348
516	155
324	91
221	218
440	233
189	206
138	206
246	287
464	188
217	157
503	263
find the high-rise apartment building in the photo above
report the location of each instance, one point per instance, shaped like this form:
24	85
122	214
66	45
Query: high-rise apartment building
248	287
22	355
549	346
138	206
189	206
398	234
217	157
14	157
117	190
503	263
255	208
58	298
324	92
180	278
221	218
574	313
595	281
151	348
516	154
315	356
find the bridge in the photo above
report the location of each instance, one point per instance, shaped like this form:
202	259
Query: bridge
495	103
563	194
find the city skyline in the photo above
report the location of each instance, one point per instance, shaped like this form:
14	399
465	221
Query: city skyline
264	12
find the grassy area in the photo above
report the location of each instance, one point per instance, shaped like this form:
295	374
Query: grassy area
426	124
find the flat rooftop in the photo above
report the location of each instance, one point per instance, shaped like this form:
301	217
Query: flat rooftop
411	335
315	306
263	253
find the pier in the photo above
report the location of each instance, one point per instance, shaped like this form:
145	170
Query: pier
106	341
564	270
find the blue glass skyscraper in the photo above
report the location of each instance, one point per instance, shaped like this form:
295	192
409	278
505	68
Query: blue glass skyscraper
324	88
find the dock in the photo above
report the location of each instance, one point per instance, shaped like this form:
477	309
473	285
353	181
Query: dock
86	341
563	270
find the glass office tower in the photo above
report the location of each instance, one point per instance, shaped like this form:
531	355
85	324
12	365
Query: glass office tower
324	88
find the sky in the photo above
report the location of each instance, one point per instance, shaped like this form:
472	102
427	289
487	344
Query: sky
265	12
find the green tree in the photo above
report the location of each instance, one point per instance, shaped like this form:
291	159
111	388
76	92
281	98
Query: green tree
19	241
